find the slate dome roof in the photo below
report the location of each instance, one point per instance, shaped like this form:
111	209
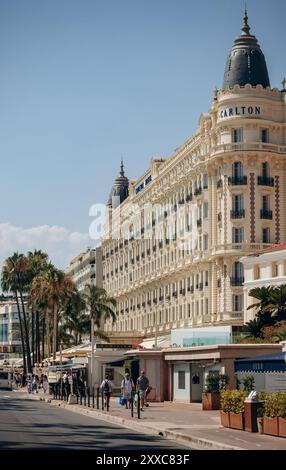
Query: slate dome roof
246	62
120	189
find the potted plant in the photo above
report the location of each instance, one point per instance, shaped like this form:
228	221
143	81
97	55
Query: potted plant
282	415
215	382
232	404
270	419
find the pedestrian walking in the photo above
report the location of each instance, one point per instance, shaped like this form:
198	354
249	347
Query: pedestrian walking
34	384
45	384
29	383
142	385
127	386
106	386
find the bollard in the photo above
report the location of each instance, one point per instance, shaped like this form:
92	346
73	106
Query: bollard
132	405
97	398
84	398
102	400
88	397
138	405
92	397
80	398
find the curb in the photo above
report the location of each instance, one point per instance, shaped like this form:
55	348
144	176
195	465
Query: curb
191	441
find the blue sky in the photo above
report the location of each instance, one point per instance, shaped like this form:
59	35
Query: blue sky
84	81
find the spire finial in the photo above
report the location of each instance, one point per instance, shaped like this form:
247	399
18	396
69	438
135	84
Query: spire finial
245	27
122	167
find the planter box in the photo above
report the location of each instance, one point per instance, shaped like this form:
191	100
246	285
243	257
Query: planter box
270	426
224	418
236	421
211	401
282	427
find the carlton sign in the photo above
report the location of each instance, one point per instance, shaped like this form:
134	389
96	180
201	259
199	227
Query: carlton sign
236	111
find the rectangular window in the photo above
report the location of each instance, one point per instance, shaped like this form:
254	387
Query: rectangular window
237	303
264	135
206	278
238	235
206	210
238	203
182	380
237	135
266	235
205	181
274	269
256	271
206	306
206	242
265	203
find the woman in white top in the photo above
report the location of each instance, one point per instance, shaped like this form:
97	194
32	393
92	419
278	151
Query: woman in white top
127	386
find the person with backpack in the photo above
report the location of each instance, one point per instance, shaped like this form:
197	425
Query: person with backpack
127	386
106	386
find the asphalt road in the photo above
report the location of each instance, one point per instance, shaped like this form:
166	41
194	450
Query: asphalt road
27	424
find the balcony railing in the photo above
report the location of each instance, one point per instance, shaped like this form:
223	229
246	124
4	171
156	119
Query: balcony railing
219	217
237	281
265	181
248	146
199	222
219	184
237	180
266	214
237	214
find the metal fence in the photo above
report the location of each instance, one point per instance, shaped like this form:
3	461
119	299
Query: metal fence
93	398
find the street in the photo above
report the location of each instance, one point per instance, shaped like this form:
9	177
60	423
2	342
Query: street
29	424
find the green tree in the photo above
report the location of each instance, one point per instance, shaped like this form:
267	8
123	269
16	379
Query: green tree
100	306
14	279
263	296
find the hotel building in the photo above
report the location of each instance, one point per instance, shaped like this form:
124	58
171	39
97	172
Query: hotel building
10	339
224	189
85	268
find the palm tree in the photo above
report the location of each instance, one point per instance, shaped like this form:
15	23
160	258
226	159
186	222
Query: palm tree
14	279
101	308
75	322
254	328
50	291
277	303
263	295
37	263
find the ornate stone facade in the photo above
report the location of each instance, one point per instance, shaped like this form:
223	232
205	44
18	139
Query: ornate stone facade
227	185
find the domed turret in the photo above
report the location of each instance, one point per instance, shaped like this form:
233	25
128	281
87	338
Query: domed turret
119	191
246	62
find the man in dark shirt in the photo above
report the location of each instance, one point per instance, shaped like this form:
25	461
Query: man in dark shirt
142	385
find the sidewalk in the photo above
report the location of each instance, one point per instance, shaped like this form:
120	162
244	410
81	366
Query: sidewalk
185	423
